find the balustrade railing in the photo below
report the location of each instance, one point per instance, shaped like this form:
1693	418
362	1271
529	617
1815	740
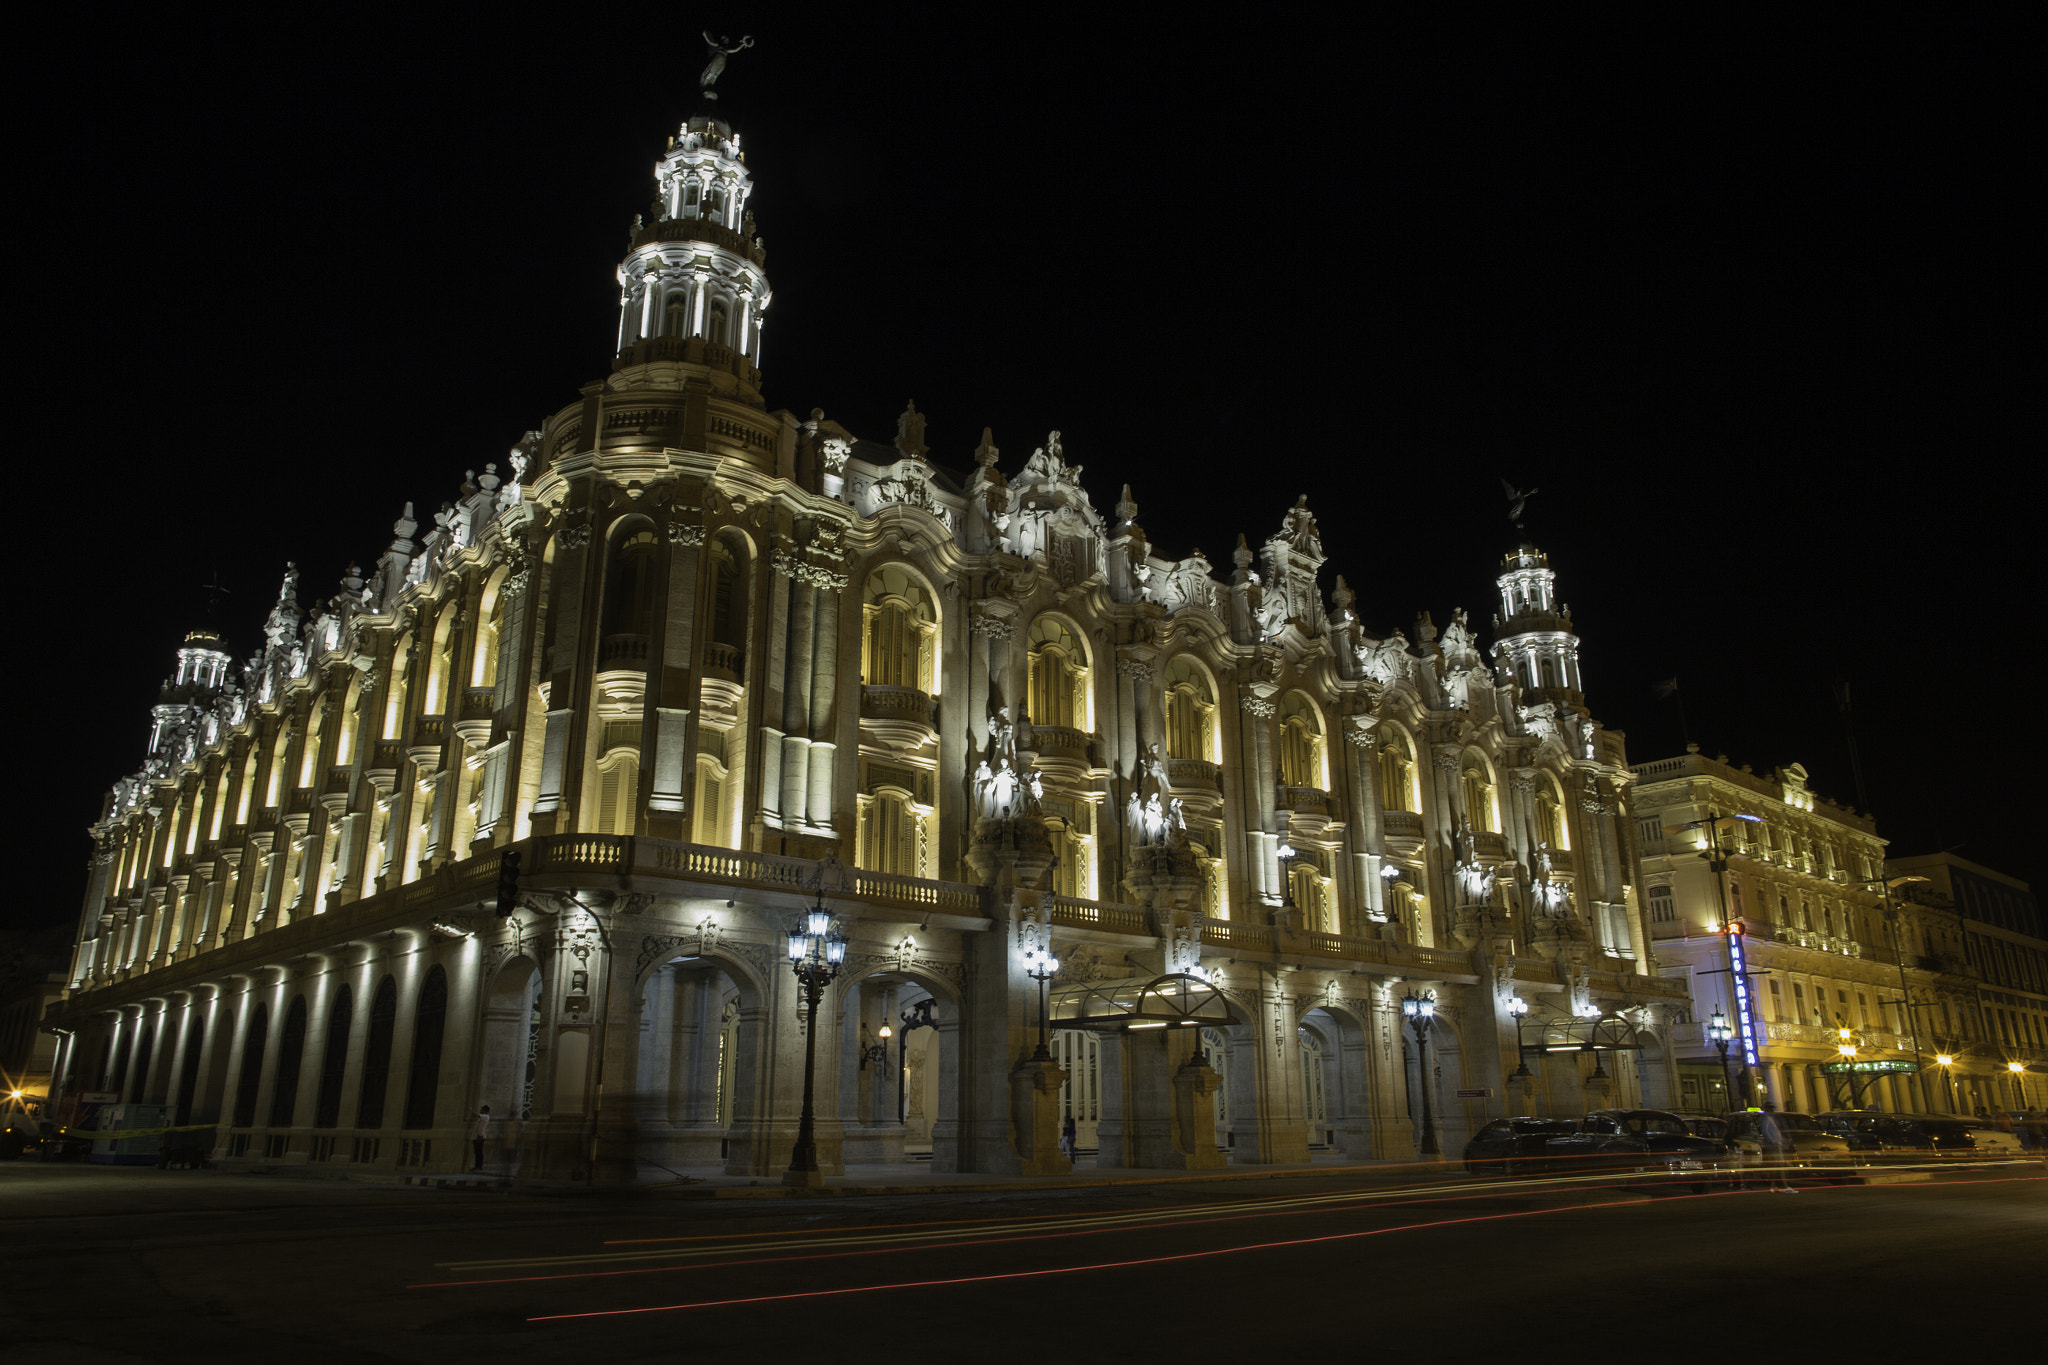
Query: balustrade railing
1193	772
621	651
879	701
1401	823
722	661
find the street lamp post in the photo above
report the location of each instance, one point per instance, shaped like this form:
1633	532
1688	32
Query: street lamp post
1948	1081
1420	1011
1722	1035
1717	863
1041	966
1519	1008
816	952
1891	919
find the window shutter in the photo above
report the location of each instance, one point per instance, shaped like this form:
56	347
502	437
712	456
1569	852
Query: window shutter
906	841
608	801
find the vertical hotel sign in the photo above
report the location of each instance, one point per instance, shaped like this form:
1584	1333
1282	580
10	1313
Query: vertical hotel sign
1745	1014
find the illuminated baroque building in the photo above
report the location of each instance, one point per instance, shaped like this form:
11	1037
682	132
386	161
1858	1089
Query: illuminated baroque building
702	664
1830	947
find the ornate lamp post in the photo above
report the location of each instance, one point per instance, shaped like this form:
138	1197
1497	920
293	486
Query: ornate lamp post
816	951
1519	1008
1041	966
1721	1035
1287	857
1421	1011
1948	1081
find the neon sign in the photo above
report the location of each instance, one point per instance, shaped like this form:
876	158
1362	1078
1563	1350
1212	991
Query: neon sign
1739	974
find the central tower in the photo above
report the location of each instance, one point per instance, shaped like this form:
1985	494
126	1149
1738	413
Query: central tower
692	288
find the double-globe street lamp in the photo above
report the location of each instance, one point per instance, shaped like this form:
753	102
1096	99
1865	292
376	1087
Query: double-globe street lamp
1421	1012
817	950
1721	1035
1041	966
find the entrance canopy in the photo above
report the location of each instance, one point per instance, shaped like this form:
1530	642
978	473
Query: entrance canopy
1575	1033
1133	1002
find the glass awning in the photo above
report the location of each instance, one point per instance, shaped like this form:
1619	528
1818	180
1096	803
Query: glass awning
1575	1033
1179	1000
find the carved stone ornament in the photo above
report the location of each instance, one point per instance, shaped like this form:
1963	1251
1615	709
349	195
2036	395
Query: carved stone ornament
689	533
1257	706
575	532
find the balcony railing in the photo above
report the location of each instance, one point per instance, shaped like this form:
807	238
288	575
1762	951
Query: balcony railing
1059	742
1304	800
882	702
479	702
1193	772
1488	844
1401	824
621	651
722	661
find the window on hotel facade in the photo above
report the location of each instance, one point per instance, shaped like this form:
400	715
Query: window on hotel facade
1301	744
1190	711
1475	780
1397	772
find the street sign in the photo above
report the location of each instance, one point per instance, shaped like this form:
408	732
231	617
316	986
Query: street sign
1475	1094
1864	1068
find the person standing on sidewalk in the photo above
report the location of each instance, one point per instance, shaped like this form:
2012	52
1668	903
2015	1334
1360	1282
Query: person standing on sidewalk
1067	1138
1777	1147
476	1137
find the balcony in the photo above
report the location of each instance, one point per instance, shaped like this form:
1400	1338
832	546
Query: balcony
901	718
627	652
1489	846
1403	830
1304	801
1195	773
479	702
1060	747
722	661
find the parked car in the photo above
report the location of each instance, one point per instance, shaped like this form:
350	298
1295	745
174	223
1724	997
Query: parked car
1507	1145
1802	1139
1902	1134
1709	1126
1990	1138
1653	1142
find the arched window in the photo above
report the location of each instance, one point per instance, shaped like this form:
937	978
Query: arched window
309	752
377	1056
430	1017
618	792
333	1061
728	592
717	328
350	723
483	671
1190	711
1401	908
291	1051
394	699
1551	830
439	660
1301	744
1397	771
251	1078
1059	673
889	842
675	315
629	587
899	628
1475	779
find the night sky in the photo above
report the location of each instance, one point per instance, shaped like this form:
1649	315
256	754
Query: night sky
1742	298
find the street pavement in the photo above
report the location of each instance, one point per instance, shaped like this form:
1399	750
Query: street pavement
103	1264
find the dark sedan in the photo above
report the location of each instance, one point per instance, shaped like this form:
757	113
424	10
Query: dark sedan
1901	1133
1648	1140
1512	1144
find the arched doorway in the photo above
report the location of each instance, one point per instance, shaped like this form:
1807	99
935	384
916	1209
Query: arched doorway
508	1057
703	1047
899	1098
1336	1084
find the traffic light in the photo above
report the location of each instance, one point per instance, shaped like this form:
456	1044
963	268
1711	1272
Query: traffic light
508	882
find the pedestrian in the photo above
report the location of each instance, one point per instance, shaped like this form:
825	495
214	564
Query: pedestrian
476	1137
1775	1146
1067	1138
2004	1119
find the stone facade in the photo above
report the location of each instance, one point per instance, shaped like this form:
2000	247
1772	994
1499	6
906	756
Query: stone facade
702	664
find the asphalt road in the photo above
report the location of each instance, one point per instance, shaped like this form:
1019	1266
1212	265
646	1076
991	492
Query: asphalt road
100	1265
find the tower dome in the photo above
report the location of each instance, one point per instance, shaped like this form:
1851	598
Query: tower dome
1536	641
692	288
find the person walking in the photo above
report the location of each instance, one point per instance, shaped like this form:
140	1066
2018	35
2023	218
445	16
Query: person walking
476	1137
1777	1147
1067	1138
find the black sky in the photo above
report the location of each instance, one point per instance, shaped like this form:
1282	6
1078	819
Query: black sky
1746	298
